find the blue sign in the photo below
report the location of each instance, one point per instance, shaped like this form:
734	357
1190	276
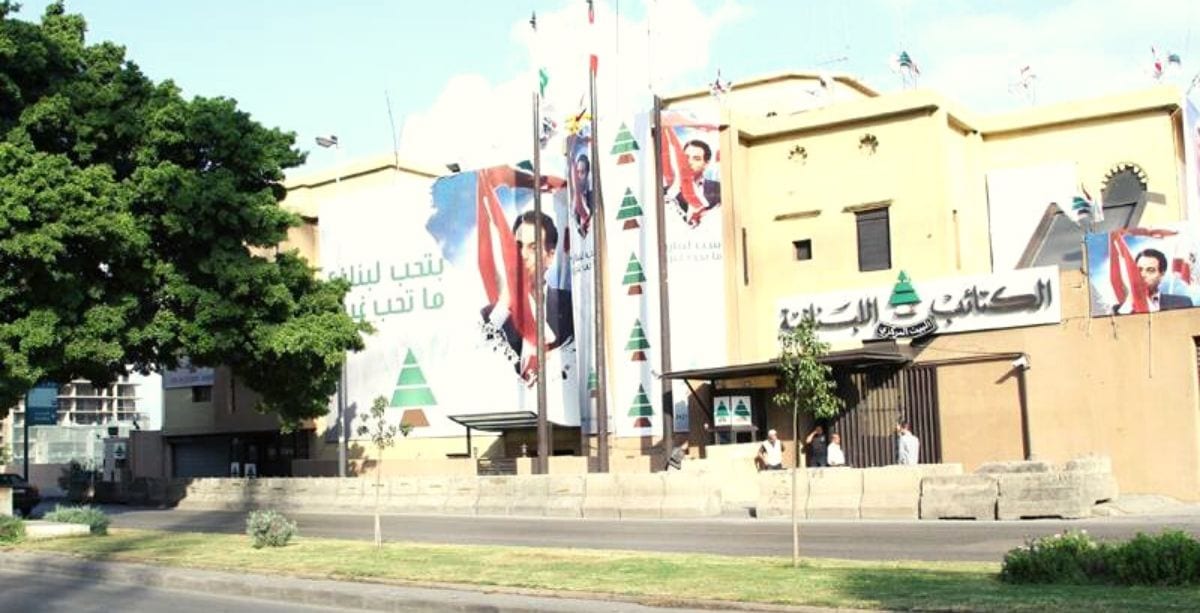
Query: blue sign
41	405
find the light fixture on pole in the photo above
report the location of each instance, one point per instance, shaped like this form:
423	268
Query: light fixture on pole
343	434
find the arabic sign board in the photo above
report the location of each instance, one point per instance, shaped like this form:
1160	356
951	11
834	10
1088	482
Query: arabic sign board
187	376
41	405
1024	297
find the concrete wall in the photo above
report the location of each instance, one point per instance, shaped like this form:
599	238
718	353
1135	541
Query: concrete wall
1122	387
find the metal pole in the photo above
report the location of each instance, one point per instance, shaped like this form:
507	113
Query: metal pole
539	298
1024	400
664	308
601	353
26	431
341	419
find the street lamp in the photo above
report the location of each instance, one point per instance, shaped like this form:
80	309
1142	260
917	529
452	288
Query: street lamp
327	142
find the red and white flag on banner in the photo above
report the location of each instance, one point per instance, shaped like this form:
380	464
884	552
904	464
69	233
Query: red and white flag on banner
593	59
1128	287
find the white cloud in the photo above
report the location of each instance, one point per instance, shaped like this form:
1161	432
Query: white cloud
475	122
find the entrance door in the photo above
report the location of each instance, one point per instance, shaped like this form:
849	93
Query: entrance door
875	398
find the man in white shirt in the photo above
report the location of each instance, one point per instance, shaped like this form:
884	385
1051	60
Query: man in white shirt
908	445
770	453
834	453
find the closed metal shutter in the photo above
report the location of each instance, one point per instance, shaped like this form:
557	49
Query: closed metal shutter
208	458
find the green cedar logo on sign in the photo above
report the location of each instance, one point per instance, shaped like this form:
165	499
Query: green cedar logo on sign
634	276
593	384
630	211
637	342
721	414
625	145
411	388
904	296
641	409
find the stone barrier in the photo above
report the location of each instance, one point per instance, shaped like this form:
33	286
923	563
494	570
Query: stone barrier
432	493
6	501
602	497
402	494
1054	494
565	495
690	495
959	497
462	496
891	492
495	495
775	494
641	495
530	495
1099	483
834	493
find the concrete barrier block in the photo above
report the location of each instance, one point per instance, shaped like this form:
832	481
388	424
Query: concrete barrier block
1099	483
564	495
690	495
602	496
775	494
6	501
350	492
834	493
959	497
891	492
1056	494
463	496
530	495
495	495
641	495
939	470
992	468
402	494
432	493
322	495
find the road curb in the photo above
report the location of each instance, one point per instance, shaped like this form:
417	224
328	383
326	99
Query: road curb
349	594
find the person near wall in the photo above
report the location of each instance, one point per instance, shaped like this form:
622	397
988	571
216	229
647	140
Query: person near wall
835	455
770	452
817	444
678	453
908	445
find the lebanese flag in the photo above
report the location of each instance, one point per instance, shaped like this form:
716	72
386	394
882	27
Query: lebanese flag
1123	274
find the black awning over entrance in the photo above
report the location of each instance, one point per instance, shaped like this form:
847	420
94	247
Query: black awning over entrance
497	422
870	354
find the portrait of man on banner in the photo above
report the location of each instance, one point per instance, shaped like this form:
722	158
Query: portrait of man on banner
1142	270
579	181
691	166
486	220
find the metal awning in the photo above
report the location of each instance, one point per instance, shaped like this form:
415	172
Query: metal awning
877	352
497	422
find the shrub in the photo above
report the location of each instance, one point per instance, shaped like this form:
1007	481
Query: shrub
93	518
1072	557
1171	558
269	529
11	529
77	481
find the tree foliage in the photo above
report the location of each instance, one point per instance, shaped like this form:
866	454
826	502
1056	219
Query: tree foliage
806	384
137	227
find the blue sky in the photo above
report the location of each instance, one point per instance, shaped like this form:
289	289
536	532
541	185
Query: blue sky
320	67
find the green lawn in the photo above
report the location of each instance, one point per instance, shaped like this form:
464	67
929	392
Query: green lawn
649	577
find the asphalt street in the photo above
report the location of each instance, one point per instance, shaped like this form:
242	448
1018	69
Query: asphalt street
46	593
863	540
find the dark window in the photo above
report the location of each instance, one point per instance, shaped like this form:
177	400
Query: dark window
874	240
803	249
201	393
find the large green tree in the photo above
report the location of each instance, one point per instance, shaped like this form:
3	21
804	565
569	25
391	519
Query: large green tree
137	226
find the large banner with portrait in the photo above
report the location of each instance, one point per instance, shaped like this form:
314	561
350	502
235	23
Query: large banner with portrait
1191	156
449	289
1143	270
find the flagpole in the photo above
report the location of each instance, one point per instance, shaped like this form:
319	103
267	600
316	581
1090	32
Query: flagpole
539	281
664	308
598	269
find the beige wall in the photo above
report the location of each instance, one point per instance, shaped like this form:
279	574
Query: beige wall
1125	387
979	413
231	410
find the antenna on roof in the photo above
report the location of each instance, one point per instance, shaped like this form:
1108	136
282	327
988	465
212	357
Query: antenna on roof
395	139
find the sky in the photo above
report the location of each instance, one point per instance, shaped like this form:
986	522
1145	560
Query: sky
457	75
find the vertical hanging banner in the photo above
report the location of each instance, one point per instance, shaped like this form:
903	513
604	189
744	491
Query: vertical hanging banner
448	290
1143	270
1191	156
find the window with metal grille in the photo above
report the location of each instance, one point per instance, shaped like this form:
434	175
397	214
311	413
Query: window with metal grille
874	240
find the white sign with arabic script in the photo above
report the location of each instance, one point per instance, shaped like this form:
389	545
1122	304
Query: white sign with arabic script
913	308
187	376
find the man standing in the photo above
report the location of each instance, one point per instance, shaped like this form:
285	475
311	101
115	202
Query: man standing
508	318
770	453
818	447
908	446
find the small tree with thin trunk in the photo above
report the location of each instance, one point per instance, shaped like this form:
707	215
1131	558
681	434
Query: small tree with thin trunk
382	435
805	385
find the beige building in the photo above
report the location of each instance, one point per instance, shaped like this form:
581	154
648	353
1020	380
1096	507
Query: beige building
832	187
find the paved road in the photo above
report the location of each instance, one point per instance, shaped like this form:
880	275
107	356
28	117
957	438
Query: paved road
25	591
865	540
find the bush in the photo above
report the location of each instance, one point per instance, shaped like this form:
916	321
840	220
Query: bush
1168	559
77	481
269	529
11	529
93	518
